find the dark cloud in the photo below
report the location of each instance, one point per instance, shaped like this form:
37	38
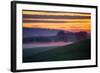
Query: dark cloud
48	21
40	21
54	16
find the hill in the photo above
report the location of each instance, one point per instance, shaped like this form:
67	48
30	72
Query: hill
77	51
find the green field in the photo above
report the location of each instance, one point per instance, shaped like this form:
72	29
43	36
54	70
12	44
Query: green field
77	51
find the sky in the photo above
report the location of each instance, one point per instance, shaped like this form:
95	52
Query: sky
67	21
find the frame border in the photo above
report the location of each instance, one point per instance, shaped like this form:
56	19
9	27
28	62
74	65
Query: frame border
13	35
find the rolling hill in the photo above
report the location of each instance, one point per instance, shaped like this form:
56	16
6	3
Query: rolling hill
77	51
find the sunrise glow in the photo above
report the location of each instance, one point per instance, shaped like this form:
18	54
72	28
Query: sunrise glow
67	21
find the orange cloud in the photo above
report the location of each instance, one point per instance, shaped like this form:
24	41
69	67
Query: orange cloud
59	26
72	25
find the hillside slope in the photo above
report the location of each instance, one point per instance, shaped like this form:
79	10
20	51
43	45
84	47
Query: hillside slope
76	51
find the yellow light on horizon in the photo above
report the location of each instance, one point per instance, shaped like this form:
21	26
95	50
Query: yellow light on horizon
69	24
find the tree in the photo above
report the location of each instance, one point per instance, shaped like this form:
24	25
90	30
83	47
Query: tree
82	35
62	36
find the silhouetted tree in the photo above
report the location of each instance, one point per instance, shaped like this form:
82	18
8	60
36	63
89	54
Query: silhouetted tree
62	36
82	35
